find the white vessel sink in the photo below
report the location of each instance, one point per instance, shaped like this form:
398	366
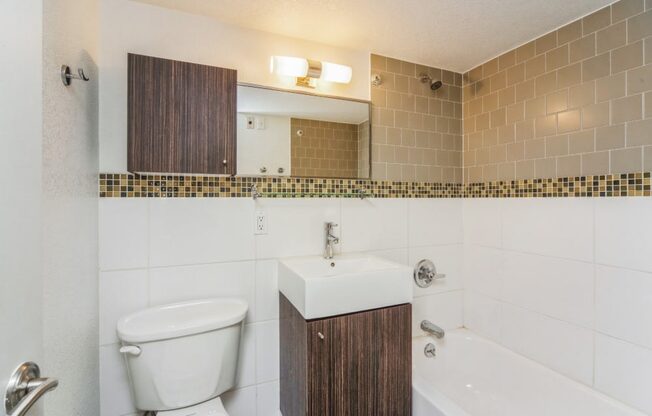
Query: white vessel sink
318	287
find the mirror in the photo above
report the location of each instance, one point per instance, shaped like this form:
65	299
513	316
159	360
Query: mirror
283	133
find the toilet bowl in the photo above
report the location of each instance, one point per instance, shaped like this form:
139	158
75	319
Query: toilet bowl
181	357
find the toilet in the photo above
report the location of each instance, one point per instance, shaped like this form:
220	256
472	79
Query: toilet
181	357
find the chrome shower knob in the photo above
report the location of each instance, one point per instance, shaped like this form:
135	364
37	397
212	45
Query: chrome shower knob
425	273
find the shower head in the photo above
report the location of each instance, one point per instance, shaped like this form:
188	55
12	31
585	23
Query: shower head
434	85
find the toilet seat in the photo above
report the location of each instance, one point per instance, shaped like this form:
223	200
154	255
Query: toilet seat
213	407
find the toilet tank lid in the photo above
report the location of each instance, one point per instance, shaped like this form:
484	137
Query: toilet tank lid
181	319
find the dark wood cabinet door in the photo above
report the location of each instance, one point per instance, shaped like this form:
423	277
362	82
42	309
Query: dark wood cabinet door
182	117
360	364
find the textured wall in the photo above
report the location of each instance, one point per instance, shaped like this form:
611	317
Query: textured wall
325	150
416	132
576	101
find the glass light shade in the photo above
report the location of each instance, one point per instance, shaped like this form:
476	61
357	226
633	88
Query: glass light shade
289	66
336	73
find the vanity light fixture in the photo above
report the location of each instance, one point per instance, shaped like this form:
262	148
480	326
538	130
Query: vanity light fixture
307	71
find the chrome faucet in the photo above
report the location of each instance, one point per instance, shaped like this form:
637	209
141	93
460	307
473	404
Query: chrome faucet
330	240
432	329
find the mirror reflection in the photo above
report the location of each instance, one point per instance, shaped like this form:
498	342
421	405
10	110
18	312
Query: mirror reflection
283	133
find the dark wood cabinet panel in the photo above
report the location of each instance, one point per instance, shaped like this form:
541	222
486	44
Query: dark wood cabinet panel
361	366
181	117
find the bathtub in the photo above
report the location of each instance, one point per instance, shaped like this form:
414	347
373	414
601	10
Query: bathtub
472	376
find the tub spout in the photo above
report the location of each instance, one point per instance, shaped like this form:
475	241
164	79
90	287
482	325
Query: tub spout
432	329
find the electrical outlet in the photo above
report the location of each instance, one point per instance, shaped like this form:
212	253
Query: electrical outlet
260	225
260	123
250	122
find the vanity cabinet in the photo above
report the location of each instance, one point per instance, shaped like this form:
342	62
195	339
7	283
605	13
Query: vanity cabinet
349	365
181	117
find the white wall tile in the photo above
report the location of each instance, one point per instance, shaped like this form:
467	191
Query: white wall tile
195	230
435	221
115	397
123	238
561	227
374	224
623	301
482	221
624	371
564	347
268	401
240	402
296	226
483	270
121	293
247	358
399	255
267	351
556	287
266	290
482	315
624	232
442	309
447	260
181	283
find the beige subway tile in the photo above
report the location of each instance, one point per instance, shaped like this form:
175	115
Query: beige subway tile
581	142
582	48
408	137
627	160
639	80
448	77
627	109
610	137
639	133
401	119
535	67
378	97
524	169
535	107
557	101
639	27
507	59
546	42
597	20
388	80
490	67
394	65
506	96
498	154
506	134
378	62
557	146
490	137
569	75
393	136
515	112
595	115
626	8
557	58
408	68
596	163
516	73
434	106
581	95
648	4
627	57
545	168
525	52
379	171
408	102
482	121
490	173
474	141
476	74
569	166
421	104
535	148
546	83
408	173
415	121
498	118
506	171
430	123
569	121
515	151
394	100
498	81
648	104
647	158
524	130
448	108
489	102
401	154
385	117
596	67
483	156
611	87
524	90
379	134
401	83
569	32
612	37
474	174
545	125
482	87
648	50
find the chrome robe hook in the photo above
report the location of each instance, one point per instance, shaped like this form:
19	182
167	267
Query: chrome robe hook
67	76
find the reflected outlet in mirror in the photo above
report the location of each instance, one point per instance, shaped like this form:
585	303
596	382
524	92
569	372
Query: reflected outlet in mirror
288	133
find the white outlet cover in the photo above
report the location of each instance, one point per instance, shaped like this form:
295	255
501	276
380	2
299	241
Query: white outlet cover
260	123
260	223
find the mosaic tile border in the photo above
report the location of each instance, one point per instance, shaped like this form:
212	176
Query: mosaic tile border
177	186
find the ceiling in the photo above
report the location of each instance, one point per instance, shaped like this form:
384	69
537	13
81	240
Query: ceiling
255	100
451	34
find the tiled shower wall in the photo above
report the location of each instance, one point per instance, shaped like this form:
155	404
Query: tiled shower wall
577	101
163	250
416	132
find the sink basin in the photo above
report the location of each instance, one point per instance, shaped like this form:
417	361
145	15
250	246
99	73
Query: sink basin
345	284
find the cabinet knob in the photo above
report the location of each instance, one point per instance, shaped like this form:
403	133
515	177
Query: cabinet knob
320	335
224	162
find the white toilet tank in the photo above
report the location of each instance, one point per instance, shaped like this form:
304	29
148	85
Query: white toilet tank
182	354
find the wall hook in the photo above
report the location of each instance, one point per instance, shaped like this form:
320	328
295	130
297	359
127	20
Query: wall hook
67	76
